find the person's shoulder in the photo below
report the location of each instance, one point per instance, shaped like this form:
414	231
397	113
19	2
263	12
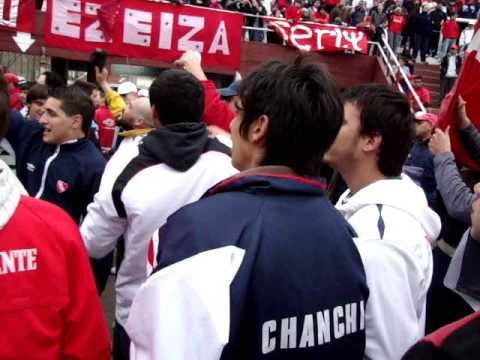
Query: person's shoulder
89	154
48	214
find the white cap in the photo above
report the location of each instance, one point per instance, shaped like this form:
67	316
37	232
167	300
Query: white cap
126	88
143	93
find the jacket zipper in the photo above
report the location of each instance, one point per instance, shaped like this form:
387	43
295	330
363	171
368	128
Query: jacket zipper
45	170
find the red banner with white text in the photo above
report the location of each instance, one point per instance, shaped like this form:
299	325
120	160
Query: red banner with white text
17	15
315	37
148	30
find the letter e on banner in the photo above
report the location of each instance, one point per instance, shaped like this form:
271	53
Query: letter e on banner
137	27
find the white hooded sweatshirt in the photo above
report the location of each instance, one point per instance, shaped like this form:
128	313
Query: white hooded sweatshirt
395	228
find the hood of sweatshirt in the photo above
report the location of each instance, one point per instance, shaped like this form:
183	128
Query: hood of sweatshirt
178	146
400	193
10	191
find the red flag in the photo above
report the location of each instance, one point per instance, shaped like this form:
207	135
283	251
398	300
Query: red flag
468	86
107	17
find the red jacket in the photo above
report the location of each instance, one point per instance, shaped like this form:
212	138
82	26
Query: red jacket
107	129
319	18
397	23
217	111
49	308
293	13
450	29
16	102
332	3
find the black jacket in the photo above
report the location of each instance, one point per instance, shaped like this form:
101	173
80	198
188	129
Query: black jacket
444	65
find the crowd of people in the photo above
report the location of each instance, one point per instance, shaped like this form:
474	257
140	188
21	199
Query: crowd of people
277	217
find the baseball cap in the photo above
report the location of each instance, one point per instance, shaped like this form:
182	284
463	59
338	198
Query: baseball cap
425	116
126	88
454	46
231	90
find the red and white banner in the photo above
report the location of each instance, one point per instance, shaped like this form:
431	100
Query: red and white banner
315	37
468	86
148	30
17	15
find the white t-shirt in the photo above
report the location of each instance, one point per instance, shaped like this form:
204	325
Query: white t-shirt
452	67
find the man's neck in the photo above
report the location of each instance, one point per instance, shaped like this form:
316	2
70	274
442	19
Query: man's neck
361	176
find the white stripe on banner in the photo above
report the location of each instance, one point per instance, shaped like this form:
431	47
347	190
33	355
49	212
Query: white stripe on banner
12	22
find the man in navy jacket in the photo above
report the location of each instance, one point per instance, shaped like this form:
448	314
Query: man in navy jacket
263	266
55	161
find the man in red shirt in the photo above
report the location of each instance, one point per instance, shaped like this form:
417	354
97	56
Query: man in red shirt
422	92
397	23
450	34
321	16
107	129
294	13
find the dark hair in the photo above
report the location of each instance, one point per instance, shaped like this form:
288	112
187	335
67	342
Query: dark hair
304	108
178	97
418	77
76	102
86	86
53	80
37	92
386	112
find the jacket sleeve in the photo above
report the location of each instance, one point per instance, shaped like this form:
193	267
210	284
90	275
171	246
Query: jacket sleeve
217	112
19	130
85	331
183	310
115	103
102	227
456	195
392	316
462	274
470	138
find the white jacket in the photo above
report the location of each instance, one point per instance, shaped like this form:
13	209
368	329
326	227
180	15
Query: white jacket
395	227
10	191
151	195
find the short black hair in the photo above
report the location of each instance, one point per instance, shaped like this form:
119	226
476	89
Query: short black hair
37	92
386	112
304	108
86	86
76	102
54	80
178	97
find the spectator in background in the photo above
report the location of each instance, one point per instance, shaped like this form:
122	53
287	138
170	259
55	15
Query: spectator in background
469	9
449	70
107	129
331	4
216	4
230	94
397	23
359	14
255	8
422	92
128	91
36	99
115	102
438	17
450	34
423	32
419	164
321	16
16	102
294	13
52	80
466	37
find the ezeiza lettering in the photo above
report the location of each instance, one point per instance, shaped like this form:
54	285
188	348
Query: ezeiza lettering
331	324
138	27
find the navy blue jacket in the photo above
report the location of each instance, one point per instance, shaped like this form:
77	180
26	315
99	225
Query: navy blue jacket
300	290
73	174
423	24
419	166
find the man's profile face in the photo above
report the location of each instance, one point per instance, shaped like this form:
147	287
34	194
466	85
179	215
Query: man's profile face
58	126
346	146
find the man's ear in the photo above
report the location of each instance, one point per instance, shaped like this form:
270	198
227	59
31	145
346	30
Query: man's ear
258	130
77	121
372	143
